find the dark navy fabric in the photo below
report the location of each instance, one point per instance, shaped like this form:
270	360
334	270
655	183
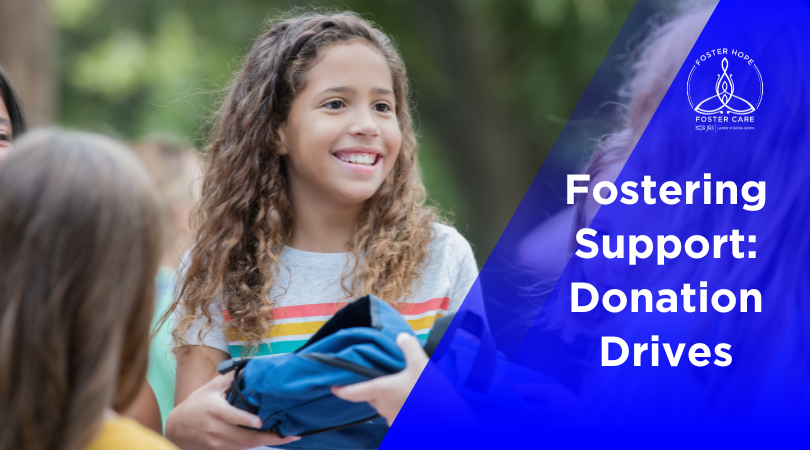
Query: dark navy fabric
291	392
469	359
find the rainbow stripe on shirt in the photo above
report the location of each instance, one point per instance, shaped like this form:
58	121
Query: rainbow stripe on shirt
294	325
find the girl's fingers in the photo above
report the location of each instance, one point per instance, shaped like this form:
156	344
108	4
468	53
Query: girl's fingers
224	411
219	384
368	391
251	438
414	355
236	417
360	392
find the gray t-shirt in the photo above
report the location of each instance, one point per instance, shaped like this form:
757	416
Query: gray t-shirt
308	293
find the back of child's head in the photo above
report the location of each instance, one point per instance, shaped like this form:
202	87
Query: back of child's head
245	217
79	249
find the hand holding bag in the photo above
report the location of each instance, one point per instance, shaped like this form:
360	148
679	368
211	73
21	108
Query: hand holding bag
292	395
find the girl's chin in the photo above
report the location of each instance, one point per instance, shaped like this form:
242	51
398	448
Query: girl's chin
357	195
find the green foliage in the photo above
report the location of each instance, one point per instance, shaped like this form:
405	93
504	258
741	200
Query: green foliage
144	67
134	68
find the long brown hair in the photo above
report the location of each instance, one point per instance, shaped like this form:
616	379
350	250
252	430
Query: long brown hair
245	217
79	246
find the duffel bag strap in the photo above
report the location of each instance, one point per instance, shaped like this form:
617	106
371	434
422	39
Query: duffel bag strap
435	336
232	364
485	357
237	364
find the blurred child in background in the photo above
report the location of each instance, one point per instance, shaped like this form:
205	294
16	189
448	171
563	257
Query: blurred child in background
80	243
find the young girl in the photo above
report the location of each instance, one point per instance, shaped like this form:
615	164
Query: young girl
79	249
312	198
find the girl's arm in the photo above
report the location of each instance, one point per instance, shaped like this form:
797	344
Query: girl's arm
202	418
196	366
145	409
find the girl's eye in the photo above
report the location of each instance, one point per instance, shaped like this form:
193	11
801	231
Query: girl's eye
335	104
4	137
382	107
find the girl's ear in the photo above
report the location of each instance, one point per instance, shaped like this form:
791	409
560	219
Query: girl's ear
281	143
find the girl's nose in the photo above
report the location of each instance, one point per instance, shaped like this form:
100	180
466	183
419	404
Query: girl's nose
364	125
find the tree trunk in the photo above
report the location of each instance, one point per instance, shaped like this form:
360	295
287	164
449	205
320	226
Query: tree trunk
492	156
26	49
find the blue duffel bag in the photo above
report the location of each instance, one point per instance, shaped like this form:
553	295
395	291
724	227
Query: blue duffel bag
291	392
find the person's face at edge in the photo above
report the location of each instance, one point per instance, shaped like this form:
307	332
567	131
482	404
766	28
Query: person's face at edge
342	136
6	132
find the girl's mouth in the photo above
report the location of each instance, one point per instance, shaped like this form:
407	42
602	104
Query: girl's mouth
365	159
361	161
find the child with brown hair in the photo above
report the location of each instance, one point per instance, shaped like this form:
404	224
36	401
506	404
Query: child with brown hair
79	248
311	198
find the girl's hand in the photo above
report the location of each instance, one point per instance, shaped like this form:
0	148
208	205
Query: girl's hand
388	394
205	420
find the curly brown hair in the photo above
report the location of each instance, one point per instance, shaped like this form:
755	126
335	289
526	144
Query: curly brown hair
245	218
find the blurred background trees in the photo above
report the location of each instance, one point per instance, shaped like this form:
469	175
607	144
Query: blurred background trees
494	80
27	49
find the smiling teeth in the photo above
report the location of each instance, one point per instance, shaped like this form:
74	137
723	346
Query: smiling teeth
363	158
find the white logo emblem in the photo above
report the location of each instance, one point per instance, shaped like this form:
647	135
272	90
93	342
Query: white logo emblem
726	99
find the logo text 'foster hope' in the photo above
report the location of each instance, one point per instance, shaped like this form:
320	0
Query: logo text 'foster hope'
720	98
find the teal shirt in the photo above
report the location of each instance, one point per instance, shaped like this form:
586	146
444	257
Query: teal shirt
162	365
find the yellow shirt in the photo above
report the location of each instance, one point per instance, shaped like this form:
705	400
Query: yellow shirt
122	433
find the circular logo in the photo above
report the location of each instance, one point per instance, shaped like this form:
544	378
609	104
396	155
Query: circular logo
724	81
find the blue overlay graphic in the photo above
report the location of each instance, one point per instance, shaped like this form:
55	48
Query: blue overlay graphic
715	350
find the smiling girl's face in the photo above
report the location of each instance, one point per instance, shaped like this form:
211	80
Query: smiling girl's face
342	136
6	133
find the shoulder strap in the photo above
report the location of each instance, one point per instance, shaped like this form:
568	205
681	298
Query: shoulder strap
435	336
